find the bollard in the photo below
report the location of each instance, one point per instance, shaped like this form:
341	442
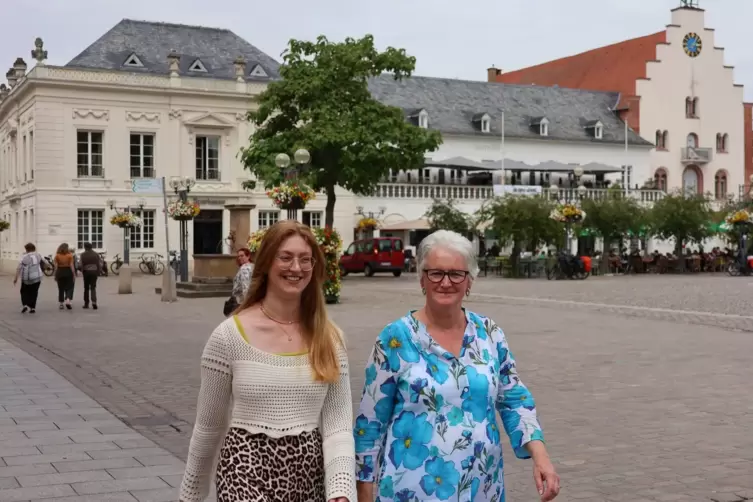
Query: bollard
125	280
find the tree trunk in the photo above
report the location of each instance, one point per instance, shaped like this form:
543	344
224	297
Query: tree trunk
679	254
515	259
329	211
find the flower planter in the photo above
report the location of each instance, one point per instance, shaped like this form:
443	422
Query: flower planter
125	225
186	217
294	203
331	299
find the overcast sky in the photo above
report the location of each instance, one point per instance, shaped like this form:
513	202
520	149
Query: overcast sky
456	39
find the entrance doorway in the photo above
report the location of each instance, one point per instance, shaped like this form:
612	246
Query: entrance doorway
207	232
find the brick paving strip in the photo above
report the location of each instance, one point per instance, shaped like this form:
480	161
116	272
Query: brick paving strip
57	444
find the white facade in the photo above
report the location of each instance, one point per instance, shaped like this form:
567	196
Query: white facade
72	141
676	83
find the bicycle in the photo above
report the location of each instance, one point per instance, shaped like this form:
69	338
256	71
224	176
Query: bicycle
48	266
575	269
736	267
152	264
116	264
103	269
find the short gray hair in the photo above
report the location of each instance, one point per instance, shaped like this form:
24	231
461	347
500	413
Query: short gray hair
449	240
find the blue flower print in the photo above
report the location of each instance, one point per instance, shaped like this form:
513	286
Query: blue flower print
366	433
396	345
441	478
474	488
412	433
436	368
405	495
366	468
386	488
492	431
455	416
416	387
476	395
371	373
391	403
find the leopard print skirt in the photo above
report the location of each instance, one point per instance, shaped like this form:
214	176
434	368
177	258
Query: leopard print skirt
259	468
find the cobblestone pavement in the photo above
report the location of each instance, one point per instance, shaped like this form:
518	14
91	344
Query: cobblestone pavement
643	383
57	443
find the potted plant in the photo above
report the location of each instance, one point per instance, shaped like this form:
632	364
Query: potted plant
125	219
4	225
180	210
291	195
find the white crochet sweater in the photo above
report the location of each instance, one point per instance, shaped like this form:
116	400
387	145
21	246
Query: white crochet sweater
270	394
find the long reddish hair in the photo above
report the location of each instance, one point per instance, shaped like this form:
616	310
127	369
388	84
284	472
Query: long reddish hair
320	334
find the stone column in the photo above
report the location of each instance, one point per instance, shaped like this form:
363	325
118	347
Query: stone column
240	222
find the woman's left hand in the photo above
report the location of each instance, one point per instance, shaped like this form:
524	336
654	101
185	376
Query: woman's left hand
546	478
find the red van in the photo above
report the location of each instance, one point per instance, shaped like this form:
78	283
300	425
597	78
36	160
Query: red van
380	254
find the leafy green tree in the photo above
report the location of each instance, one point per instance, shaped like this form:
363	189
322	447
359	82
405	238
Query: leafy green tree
612	217
323	104
521	220
445	215
683	218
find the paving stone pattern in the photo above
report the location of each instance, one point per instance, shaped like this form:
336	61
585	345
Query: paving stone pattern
58	444
643	383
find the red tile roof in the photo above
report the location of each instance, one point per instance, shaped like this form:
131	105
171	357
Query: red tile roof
615	67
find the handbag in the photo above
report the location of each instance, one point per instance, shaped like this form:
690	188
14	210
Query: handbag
230	306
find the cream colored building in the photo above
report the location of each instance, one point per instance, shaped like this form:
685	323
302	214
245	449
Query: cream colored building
73	139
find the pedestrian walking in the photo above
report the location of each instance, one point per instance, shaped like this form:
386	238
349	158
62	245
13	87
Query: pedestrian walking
436	379
65	275
283	365
241	281
91	266
30	272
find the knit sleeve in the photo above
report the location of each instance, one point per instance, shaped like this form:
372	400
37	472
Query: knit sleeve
337	434
211	418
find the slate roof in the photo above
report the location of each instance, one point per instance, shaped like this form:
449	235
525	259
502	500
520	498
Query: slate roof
152	42
452	105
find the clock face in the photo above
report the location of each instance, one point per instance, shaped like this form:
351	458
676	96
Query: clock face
692	44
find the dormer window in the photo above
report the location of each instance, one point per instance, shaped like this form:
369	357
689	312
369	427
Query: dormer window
133	61
258	71
596	128
423	119
197	66
482	122
540	125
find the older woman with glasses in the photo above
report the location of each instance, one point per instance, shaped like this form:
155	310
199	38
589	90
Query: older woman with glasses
433	383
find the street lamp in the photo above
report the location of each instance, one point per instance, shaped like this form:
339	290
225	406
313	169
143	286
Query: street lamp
126	230
182	187
301	157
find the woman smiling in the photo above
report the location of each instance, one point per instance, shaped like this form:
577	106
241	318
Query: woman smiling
434	382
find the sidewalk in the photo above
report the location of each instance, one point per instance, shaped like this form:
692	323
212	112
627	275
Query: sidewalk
57	444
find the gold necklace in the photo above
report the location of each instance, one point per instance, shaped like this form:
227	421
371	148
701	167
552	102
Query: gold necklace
281	323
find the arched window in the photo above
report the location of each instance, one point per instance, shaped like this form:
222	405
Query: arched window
695	108
665	140
692	180
692	140
725	143
691	108
719	147
660	179
720	185
659	138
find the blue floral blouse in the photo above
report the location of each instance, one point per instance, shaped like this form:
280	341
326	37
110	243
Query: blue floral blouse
427	418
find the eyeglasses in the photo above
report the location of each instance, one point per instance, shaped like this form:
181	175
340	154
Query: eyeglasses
306	263
455	276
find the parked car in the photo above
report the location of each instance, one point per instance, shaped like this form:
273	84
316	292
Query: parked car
370	256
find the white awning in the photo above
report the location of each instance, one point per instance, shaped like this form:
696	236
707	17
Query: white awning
419	224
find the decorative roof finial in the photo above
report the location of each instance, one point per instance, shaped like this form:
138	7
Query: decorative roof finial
173	61
20	67
692	4
11	76
240	69
39	53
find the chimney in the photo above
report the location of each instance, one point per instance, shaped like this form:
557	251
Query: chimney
492	73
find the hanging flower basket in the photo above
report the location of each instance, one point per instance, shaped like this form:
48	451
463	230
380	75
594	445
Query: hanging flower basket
291	195
125	219
368	224
4	225
183	211
567	213
739	219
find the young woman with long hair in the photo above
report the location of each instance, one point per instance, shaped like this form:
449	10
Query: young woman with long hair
282	364
65	275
